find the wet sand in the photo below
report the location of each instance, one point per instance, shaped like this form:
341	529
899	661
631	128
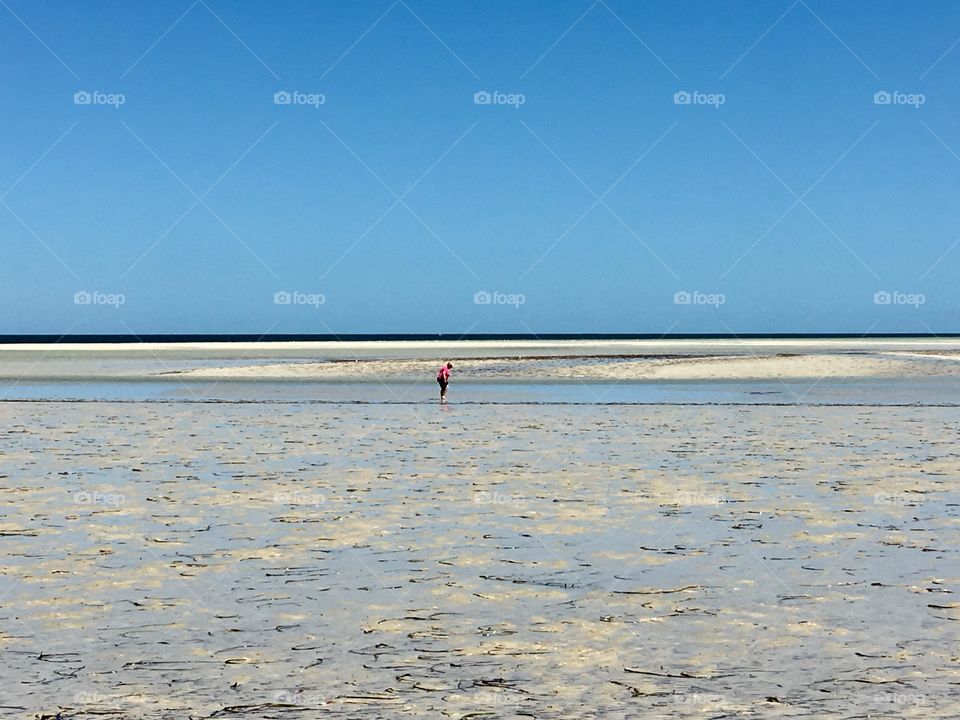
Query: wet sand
283	560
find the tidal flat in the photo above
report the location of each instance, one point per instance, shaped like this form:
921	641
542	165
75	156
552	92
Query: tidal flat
281	560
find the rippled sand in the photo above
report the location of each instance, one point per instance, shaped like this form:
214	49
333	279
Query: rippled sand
273	561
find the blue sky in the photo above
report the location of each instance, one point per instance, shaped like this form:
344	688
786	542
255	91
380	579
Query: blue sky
587	196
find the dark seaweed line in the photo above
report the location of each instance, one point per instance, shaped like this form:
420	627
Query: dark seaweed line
521	403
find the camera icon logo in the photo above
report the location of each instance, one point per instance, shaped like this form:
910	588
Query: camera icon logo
281	297
482	298
82	97
881	297
682	298
82	298
282	97
882	97
482	98
682	97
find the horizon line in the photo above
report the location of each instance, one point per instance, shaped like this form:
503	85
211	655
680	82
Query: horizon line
133	339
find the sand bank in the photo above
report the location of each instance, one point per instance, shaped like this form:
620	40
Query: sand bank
479	360
721	367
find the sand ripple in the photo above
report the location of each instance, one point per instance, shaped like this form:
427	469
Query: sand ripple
273	561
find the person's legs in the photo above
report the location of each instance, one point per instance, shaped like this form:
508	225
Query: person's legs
443	389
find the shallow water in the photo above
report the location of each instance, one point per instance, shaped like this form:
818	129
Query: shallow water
935	391
282	559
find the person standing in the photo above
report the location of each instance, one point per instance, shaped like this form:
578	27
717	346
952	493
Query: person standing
443	379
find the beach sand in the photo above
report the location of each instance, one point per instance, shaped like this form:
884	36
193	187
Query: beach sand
489	360
262	560
621	369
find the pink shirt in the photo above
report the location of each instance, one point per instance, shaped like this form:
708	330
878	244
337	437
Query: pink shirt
443	373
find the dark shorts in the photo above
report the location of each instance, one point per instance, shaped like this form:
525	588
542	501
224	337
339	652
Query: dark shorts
442	383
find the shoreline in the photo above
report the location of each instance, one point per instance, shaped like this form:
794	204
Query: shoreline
638	345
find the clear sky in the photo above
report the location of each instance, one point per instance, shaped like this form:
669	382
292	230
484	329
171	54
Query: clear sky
582	193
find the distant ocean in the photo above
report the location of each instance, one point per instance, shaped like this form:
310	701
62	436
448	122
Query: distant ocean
450	337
